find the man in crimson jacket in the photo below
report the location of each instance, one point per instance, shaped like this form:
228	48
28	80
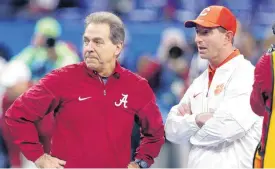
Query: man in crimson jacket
261	98
95	103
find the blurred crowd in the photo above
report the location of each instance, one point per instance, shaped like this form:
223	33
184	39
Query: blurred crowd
170	65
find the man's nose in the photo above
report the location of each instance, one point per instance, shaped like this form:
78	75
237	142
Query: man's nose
90	47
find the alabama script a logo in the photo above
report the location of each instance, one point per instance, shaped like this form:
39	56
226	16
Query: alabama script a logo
123	101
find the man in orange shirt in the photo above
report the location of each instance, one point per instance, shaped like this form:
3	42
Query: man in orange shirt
212	115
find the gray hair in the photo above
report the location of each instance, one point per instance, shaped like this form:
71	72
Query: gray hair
117	32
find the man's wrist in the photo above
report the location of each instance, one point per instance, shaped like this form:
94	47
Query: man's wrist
141	163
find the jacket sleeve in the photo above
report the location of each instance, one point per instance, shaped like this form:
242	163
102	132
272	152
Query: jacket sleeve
23	115
230	121
262	86
178	128
152	129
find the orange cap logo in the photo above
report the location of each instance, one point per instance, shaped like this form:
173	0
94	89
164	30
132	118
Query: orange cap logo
205	11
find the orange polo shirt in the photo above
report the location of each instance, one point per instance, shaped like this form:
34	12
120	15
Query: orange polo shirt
211	71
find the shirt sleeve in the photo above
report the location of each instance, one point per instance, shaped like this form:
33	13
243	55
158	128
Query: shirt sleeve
152	129
230	121
178	128
25	112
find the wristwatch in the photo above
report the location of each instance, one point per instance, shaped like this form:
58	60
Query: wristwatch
141	163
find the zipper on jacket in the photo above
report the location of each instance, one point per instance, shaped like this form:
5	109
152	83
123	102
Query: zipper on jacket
101	81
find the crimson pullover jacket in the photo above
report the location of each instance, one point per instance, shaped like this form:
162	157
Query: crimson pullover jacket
261	96
94	120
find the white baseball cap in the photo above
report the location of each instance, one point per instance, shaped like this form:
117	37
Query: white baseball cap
14	72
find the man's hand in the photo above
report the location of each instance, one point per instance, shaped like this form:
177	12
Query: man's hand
133	165
202	118
47	161
184	109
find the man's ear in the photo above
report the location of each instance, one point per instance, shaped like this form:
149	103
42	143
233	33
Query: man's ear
119	48
229	36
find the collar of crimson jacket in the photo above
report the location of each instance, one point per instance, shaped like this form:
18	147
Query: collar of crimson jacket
93	73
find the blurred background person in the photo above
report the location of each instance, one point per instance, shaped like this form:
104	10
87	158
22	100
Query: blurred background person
47	51
246	43
167	73
16	78
4	158
5	56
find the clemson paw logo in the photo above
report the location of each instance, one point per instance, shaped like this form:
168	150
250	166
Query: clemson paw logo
205	11
219	89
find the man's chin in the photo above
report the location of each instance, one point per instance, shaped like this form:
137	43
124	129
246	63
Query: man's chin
91	66
204	56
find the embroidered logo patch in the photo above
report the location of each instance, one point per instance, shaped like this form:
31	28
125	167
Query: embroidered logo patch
219	89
